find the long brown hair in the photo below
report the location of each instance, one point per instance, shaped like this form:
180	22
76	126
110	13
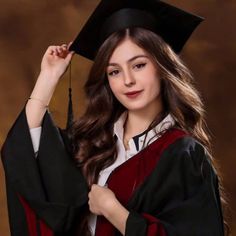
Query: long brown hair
93	139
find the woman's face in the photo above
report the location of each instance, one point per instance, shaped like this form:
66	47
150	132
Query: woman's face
133	77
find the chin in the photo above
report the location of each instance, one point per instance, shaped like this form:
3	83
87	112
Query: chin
135	108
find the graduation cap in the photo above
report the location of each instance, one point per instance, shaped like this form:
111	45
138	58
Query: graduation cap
174	25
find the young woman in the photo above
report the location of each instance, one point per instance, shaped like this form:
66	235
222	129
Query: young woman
141	162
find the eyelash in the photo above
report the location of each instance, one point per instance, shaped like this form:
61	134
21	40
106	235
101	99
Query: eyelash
115	72
140	64
112	73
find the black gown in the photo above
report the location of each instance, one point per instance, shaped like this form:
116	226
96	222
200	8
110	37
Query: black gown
170	187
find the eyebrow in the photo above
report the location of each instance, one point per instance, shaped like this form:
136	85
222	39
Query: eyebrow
130	60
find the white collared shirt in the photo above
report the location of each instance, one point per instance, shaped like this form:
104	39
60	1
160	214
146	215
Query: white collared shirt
124	155
135	145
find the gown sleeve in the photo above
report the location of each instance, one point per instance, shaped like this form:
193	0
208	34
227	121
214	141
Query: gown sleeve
181	196
44	194
35	134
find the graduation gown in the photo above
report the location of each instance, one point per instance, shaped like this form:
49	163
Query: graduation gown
45	194
170	187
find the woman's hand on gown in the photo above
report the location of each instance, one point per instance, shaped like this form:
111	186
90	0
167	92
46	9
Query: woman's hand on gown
102	201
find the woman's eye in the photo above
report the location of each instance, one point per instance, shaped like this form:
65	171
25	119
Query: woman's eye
139	66
113	73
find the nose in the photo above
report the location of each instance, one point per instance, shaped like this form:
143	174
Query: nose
129	79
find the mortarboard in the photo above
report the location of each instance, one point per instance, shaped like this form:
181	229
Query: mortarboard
174	25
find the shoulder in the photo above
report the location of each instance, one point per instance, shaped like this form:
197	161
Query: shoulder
182	165
185	150
183	142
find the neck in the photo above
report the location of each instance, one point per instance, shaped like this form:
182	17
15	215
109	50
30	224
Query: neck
139	120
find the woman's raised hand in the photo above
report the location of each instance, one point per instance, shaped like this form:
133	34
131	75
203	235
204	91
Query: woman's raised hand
54	63
56	60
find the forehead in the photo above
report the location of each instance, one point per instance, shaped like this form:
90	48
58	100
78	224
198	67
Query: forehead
126	50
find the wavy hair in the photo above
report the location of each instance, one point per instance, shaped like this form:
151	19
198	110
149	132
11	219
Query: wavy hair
94	143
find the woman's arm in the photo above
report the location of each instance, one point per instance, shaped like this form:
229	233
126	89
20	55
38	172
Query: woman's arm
47	192
54	63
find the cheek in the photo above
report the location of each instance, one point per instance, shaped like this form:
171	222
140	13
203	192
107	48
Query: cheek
155	86
157	82
113	87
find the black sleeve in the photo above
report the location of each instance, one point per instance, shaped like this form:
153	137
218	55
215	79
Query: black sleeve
180	198
51	185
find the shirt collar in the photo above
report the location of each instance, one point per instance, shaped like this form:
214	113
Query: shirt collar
119	126
165	124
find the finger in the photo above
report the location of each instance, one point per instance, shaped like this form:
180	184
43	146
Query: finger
64	45
54	52
63	48
59	49
69	44
90	207
68	47
51	49
93	186
69	56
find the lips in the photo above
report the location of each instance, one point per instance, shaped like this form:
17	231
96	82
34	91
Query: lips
133	92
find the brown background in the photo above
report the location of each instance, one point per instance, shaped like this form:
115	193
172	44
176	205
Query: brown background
28	27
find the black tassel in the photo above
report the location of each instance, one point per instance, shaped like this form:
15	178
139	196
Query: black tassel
70	113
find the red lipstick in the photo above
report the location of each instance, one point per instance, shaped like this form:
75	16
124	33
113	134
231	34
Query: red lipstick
133	94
